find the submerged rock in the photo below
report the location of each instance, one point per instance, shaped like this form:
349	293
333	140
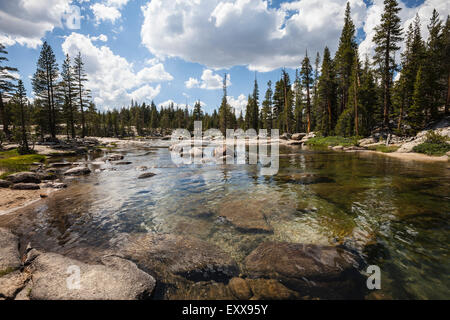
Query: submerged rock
323	271
114	279
240	288
77	171
305	178
9	251
123	163
55	185
24	177
245	215
114	157
146	175
192	258
59	164
25	186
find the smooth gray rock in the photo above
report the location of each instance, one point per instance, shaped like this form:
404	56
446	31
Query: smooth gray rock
9	251
25	186
298	136
114	279
77	171
24	177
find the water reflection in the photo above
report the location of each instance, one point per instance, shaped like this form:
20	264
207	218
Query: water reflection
394	213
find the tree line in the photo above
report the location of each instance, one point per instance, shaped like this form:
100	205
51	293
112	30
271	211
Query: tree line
341	95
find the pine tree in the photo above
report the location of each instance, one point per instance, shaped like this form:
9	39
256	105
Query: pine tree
83	94
307	81
327	93
20	99
255	105
354	93
344	58
44	84
298	103
6	88
69	94
267	108
446	63
420	102
224	110
388	34
287	100
197	113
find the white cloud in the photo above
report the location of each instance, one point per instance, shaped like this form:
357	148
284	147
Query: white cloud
101	37
109	10
225	33
26	22
209	81
112	78
407	16
103	13
238	104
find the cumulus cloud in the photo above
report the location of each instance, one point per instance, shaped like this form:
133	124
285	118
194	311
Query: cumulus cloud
108	10
407	15
101	37
111	77
225	33
26	22
238	104
169	102
209	81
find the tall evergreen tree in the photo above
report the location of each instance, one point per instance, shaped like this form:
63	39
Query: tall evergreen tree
224	109
327	95
345	55
267	108
6	88
307	81
83	93
69	94
44	84
20	99
388	34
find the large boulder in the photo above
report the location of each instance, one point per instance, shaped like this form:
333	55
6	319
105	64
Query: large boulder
114	279
5	183
77	171
24	177
322	271
285	136
245	215
9	251
189	257
11	284
298	136
25	186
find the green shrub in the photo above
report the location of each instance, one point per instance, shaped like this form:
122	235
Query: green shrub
434	145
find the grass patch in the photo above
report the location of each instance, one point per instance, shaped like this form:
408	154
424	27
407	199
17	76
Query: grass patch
435	145
333	141
6	271
11	161
384	148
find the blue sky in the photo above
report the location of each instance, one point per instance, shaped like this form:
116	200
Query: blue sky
179	50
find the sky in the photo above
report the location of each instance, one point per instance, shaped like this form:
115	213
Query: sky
179	50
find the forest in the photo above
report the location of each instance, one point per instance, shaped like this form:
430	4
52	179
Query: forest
398	91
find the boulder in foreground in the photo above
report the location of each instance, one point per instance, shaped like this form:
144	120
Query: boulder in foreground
25	186
24	177
77	171
114	279
9	251
322	271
